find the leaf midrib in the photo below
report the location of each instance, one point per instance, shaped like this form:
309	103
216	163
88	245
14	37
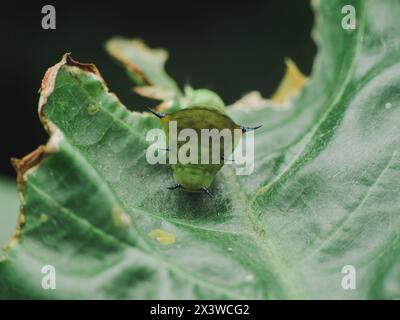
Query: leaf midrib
336	95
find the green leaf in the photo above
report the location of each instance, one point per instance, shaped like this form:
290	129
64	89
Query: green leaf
145	67
324	193
8	209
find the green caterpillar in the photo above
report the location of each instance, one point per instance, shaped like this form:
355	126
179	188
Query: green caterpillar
203	109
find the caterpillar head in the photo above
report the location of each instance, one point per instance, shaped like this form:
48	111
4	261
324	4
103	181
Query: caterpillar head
193	177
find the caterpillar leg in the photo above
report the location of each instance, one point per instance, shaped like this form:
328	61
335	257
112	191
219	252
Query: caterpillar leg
204	189
176	186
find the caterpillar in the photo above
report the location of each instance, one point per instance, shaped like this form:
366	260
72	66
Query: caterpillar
203	109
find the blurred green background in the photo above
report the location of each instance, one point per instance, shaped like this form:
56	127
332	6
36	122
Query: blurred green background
231	47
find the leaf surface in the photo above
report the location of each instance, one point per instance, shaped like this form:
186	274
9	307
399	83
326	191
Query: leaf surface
145	66
324	193
8	209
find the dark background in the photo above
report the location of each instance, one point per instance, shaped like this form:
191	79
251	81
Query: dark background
231	47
